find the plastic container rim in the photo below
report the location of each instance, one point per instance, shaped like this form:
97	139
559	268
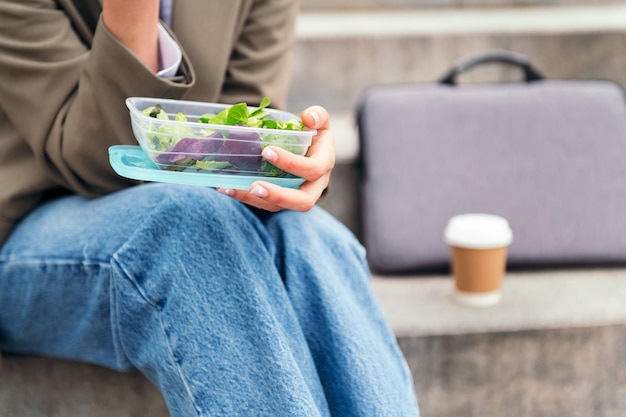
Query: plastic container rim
136	113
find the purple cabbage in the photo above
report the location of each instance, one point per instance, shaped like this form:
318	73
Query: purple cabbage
189	148
242	149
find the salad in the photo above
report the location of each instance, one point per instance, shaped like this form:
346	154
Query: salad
227	143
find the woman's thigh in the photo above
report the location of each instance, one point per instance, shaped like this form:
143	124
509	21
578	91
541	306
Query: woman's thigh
55	268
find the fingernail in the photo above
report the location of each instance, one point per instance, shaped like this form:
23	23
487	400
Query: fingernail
315	116
269	154
227	191
259	191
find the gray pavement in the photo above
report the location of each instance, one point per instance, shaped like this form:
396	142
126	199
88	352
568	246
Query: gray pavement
424	306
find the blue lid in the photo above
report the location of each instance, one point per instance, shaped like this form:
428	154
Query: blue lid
131	162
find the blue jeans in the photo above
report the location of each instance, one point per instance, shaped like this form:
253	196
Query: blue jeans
229	311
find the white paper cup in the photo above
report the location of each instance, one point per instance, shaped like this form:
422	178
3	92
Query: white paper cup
478	244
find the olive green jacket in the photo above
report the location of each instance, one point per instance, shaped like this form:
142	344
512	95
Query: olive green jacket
63	86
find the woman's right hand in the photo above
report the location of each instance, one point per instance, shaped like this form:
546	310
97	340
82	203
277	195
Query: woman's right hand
135	24
315	168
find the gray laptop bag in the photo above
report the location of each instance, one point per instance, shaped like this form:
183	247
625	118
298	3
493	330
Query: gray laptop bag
548	155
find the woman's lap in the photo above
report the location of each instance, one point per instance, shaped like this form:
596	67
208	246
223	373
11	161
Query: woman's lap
184	281
58	263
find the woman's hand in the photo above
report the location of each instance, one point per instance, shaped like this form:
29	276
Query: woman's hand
315	168
135	24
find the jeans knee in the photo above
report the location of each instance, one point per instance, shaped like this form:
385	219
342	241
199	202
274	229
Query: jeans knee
189	207
321	231
188	234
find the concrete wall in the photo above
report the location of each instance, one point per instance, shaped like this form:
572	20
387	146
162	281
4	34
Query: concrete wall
578	372
41	387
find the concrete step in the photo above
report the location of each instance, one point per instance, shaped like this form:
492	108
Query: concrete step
339	54
554	346
42	387
333	5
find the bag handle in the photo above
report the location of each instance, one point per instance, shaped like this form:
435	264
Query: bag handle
495	56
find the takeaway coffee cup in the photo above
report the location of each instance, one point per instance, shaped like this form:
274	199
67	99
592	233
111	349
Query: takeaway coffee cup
478	244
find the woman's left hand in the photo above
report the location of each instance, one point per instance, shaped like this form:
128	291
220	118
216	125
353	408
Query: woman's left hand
315	168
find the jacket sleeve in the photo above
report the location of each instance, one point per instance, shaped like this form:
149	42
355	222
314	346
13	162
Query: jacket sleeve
67	102
260	63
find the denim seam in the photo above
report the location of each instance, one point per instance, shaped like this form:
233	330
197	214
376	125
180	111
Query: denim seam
128	275
52	261
122	247
170	350
175	362
155	305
